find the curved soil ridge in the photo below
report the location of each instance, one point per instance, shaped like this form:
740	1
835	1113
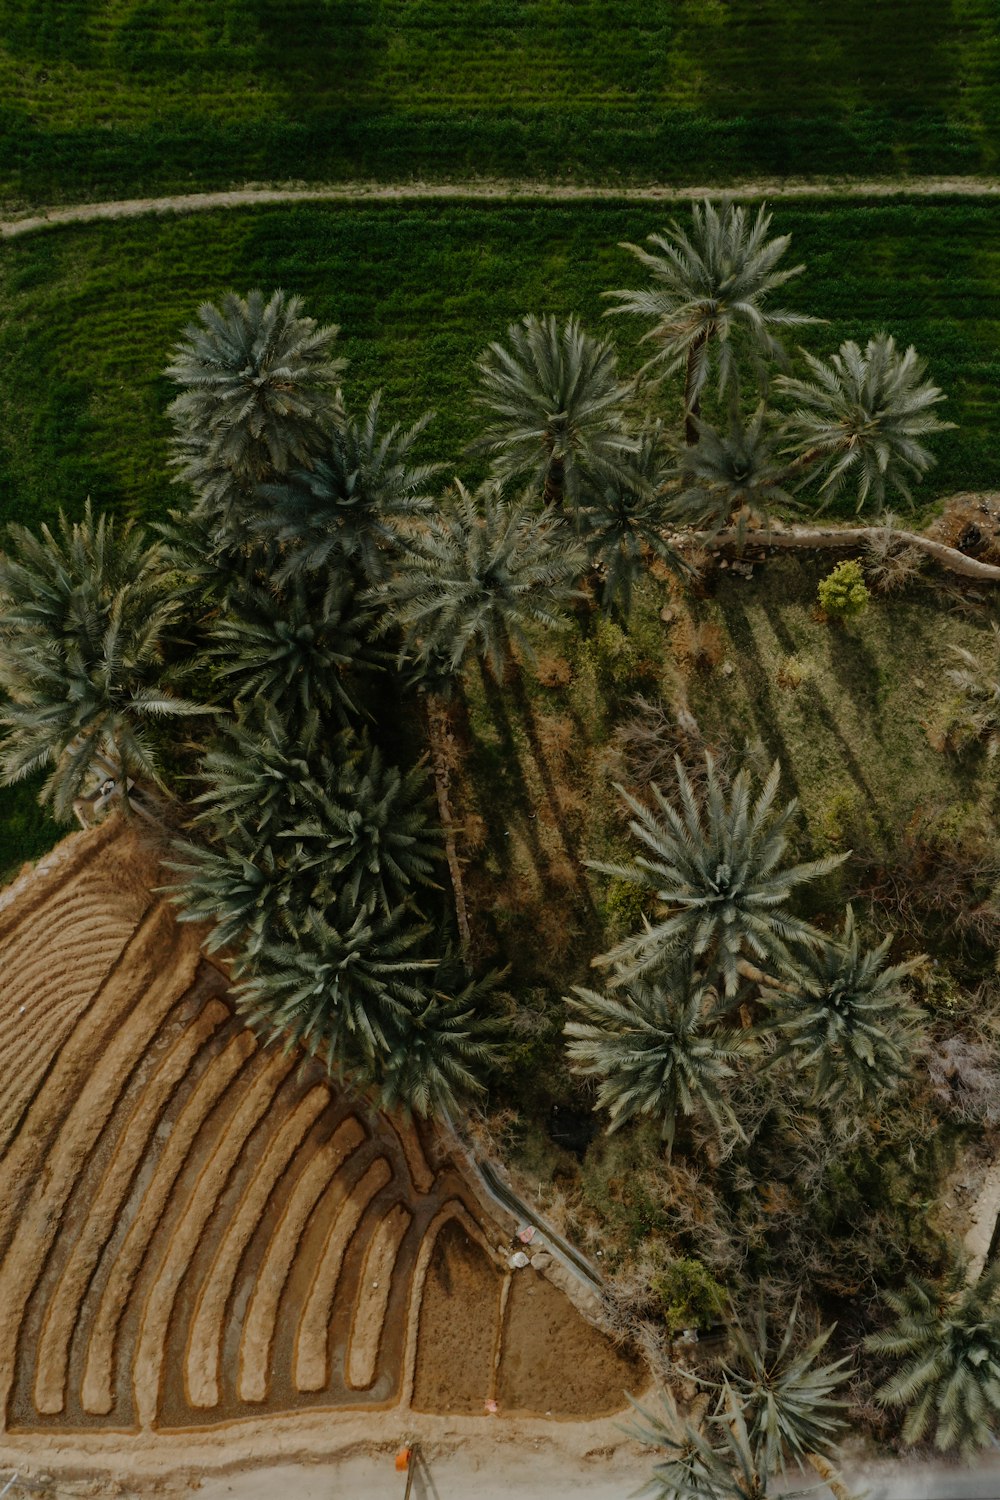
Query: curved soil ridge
197	1229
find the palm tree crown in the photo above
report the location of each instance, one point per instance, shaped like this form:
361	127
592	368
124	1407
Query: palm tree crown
709	298
258	381
439	1047
558	406
693	1466
342	988
623	521
371	831
345	510
258	396
717	868
654	1051
860	420
83	616
476	574
842	1011
296	649
734	472
788	1400
949	1340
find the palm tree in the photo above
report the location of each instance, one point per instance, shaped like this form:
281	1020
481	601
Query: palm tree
787	1400
861	418
841	1011
622	522
342	988
709	299
264	777
949	1340
655	1051
248	898
346	509
717	868
83	618
439	1048
694	1467
369	831
475	575
734	473
258	396
295	649
558	408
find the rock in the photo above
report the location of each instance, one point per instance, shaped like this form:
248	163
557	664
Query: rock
668	615
728	669
541	1259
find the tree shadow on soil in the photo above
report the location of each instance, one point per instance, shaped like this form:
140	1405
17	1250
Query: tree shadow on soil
823	713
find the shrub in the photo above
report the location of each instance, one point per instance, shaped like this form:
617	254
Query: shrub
843	593
689	1295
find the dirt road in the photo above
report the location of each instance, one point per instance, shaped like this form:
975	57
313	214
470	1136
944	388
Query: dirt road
33	220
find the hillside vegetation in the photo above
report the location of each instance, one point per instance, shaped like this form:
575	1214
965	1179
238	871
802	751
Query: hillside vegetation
101	99
89	315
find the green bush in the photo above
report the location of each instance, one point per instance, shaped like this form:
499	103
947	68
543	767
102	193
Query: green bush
689	1295
843	593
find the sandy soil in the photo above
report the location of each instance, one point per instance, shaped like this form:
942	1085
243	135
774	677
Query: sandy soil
202	1242
245	197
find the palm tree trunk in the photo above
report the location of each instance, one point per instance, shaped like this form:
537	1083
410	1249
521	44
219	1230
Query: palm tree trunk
852	536
555	484
438	733
829	1477
692	401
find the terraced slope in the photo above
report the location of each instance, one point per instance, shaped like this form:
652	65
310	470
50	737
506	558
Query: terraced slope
195	1228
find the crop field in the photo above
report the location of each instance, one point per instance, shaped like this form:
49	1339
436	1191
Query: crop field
198	1228
102	99
88	315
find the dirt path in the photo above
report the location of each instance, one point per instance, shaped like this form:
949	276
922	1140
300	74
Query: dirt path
33	220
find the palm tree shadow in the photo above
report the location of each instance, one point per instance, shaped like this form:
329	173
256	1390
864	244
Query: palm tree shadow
544	769
423	1487
520	791
758	688
821	708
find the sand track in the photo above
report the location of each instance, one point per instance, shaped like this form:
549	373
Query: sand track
32	220
197	1230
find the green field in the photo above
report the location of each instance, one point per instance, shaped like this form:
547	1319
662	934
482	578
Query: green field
89	315
100	98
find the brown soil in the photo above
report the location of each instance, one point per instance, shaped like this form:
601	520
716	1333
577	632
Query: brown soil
555	1362
971	524
458	1316
196	1230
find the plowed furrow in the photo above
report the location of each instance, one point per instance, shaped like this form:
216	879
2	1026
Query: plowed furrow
219	1162
36	974
153	952
40	1216
312	1336
68	1294
375	1283
57	869
97	1391
202	1362
258	1330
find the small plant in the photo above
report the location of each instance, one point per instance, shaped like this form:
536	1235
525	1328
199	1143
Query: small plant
890	562
689	1295
977	719
843	594
792	672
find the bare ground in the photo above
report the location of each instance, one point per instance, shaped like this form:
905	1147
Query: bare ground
32	220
